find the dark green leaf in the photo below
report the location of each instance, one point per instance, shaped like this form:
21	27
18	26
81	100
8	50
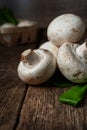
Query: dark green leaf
59	81
7	16
64	83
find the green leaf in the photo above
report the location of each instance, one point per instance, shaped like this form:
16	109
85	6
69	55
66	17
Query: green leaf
74	95
7	16
64	83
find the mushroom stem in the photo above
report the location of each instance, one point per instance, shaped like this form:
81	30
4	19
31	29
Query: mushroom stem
31	57
24	56
82	50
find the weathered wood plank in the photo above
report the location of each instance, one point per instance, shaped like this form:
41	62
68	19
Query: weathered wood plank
12	90
11	98
42	111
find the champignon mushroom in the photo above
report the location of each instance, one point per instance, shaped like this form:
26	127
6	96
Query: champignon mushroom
72	61
7	37
7	25
66	28
36	66
24	23
50	47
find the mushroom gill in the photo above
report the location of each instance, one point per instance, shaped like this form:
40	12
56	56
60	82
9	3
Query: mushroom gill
31	57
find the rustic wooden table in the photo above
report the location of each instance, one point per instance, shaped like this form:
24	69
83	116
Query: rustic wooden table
25	107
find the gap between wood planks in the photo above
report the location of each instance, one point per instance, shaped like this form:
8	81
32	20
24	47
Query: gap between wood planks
20	108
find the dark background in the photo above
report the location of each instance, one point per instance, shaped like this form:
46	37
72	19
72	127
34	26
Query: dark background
44	11
25	107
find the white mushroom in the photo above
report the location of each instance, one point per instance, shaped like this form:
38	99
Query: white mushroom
24	23
82	50
72	61
36	66
66	28
7	25
50	47
6	37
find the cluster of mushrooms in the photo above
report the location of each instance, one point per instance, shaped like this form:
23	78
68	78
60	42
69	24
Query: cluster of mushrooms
62	51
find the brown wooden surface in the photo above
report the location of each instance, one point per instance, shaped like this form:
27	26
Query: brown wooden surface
24	107
12	90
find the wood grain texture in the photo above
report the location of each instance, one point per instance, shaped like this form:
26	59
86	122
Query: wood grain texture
42	111
12	90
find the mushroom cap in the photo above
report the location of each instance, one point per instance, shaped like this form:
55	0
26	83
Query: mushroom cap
7	25
7	37
50	47
36	66
24	23
66	28
71	65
